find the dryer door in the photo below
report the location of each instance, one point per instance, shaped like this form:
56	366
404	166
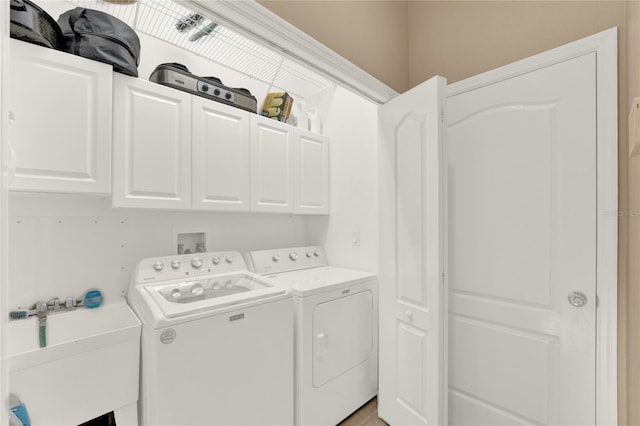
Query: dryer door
342	335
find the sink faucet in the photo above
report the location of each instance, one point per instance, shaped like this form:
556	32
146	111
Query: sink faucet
55	302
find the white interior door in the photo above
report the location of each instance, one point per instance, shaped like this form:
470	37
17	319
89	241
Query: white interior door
412	256
522	240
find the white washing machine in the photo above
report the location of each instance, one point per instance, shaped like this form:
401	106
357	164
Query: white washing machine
217	342
336	331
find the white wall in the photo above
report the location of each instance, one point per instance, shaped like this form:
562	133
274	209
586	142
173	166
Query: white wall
351	124
62	245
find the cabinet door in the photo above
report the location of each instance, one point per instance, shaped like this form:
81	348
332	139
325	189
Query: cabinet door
311	173
151	145
271	165
61	130
220	156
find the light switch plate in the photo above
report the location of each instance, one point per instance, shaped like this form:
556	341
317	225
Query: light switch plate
634	128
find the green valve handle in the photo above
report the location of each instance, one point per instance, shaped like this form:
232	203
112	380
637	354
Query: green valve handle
42	332
42	324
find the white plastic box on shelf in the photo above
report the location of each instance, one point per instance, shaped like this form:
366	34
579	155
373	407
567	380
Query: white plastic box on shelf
89	367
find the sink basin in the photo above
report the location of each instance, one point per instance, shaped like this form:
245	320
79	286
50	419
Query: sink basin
69	333
89	367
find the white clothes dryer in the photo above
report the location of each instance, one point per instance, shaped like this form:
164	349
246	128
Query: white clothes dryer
217	343
336	331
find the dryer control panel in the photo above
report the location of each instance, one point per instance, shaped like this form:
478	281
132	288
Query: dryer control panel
274	261
188	265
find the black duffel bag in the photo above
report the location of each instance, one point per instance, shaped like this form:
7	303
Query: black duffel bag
97	35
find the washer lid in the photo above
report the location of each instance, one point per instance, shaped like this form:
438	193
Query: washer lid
307	282
206	293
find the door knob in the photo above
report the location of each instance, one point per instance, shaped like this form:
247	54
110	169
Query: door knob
409	314
577	299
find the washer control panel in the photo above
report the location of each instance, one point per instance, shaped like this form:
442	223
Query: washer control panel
274	261
188	265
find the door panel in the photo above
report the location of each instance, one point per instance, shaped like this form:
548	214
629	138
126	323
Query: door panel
311	173
221	165
513	184
151	146
482	349
522	236
412	256
271	165
410	210
61	134
412	345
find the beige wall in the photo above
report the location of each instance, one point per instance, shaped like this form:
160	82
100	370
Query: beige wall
458	39
371	34
633	221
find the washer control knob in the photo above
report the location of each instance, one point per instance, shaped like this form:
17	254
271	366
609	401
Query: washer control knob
316	253
276	258
293	256
216	260
197	289
196	262
175	264
228	259
309	254
158	266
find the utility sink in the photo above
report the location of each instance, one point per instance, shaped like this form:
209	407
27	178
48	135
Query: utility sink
89	367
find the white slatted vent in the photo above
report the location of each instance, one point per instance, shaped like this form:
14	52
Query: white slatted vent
158	18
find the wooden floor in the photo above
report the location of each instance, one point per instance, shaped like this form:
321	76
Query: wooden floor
367	415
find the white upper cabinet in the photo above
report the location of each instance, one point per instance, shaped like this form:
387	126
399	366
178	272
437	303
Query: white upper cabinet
311	173
221	165
271	165
151	145
61	128
173	150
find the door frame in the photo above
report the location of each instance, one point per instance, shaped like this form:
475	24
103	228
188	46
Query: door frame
4	182
604	44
